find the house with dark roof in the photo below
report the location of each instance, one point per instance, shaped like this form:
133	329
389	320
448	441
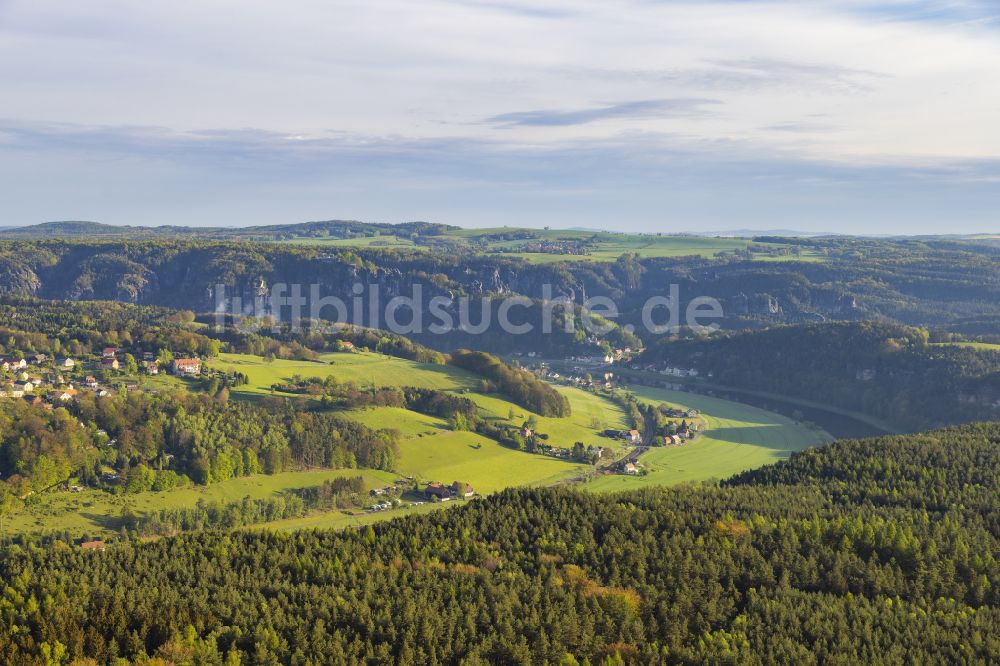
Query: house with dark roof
437	490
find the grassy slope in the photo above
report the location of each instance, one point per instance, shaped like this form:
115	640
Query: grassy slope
94	511
610	245
738	437
431	452
361	368
982	346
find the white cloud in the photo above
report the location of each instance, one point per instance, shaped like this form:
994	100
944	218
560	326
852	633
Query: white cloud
904	83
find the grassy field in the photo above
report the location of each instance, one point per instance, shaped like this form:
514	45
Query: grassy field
605	245
737	438
366	242
589	415
409	424
339	520
982	346
97	512
472	458
362	368
431	452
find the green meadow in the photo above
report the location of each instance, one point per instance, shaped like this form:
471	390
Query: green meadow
97	512
982	346
362	368
737	437
606	245
429	451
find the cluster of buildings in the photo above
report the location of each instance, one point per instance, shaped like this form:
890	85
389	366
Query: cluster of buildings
670	370
583	381
35	376
41	380
440	492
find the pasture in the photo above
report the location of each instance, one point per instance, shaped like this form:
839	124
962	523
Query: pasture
737	438
361	368
98	512
603	245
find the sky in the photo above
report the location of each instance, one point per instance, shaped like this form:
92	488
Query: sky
635	115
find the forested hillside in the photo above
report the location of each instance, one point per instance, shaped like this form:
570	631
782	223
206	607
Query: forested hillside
944	284
886	370
880	551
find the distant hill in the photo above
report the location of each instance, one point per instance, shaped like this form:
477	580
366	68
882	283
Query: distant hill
886	370
343	229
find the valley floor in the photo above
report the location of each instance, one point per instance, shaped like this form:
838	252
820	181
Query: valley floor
737	437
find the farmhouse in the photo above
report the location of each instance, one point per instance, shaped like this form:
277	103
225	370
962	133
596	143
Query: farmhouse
186	366
630	468
634	437
438	490
345	345
97	544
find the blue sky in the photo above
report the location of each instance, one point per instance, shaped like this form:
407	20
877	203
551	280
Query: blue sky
645	115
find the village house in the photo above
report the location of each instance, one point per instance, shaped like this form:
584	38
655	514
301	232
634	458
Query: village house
13	364
634	437
437	490
65	363
109	352
37	359
97	544
110	363
152	368
24	387
630	468
61	396
345	345
186	366
90	381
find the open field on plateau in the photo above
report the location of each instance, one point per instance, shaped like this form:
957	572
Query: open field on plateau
982	346
737	438
604	246
362	368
